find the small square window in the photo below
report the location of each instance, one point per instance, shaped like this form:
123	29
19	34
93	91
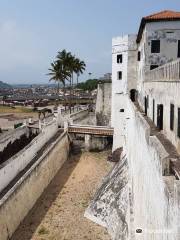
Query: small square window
119	58
119	75
155	46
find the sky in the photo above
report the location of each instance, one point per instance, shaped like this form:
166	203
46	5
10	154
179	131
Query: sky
33	31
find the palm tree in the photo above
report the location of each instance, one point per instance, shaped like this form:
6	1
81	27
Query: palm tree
66	60
73	65
79	69
58	74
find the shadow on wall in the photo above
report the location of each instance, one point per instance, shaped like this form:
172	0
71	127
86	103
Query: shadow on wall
14	147
31	222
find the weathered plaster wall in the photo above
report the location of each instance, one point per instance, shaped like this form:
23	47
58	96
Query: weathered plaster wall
165	93
153	193
95	143
126	46
168	32
103	105
15	205
11	136
139	193
10	168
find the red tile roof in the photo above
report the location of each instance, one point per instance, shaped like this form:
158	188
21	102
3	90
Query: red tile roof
166	15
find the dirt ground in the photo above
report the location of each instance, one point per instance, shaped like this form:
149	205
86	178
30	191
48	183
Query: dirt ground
59	213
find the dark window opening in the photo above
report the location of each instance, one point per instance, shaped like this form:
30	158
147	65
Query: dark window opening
119	75
133	95
172	116
178	127
155	46
160	116
145	105
139	56
119	58
121	110
153	67
147	101
153	110
178	49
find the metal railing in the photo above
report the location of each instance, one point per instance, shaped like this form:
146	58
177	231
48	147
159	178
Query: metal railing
167	72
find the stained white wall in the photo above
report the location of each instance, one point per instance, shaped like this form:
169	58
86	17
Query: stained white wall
103	104
19	161
126	46
165	93
154	203
168	32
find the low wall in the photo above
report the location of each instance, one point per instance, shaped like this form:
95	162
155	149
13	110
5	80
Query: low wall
15	205
10	168
79	115
11	136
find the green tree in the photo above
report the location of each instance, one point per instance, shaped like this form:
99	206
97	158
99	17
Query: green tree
59	74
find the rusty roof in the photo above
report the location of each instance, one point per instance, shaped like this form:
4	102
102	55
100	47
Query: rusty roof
165	15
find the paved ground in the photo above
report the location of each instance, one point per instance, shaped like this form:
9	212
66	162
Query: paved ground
59	213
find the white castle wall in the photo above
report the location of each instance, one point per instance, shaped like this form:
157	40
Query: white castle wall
155	209
165	93
11	136
19	161
18	201
139	193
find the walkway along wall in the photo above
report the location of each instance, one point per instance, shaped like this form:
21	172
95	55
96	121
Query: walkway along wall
18	201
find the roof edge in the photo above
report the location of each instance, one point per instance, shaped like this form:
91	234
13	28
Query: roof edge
144	21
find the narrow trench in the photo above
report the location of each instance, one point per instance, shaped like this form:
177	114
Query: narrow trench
59	212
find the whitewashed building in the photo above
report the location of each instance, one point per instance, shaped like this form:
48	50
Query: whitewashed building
135	58
146	121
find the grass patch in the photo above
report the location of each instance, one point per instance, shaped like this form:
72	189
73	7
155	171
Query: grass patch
6	109
43	231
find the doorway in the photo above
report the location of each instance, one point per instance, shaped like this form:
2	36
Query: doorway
160	116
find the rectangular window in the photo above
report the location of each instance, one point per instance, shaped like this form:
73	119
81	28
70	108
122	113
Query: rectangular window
178	126
153	67
139	56
119	75
172	116
155	46
178	49
119	58
153	110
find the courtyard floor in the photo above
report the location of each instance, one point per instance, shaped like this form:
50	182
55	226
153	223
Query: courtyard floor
59	213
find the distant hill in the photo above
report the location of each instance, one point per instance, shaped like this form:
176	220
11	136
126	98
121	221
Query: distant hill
4	85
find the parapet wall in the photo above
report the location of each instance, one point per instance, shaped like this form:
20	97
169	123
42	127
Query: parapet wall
15	205
11	136
14	165
153	190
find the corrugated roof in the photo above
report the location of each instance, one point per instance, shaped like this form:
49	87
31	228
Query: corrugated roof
165	15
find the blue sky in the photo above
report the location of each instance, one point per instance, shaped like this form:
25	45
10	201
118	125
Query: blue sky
32	31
